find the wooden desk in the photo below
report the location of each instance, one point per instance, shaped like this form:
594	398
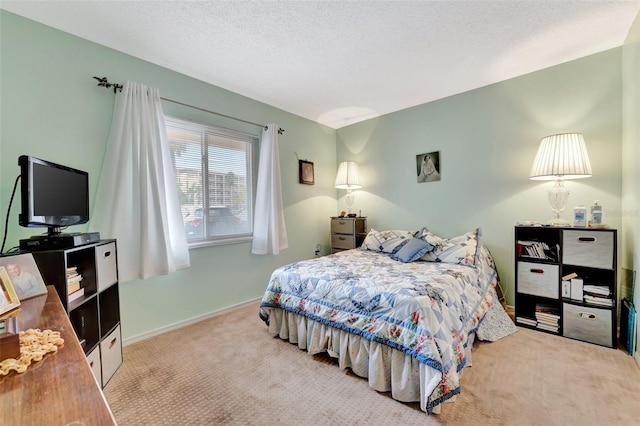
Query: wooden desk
60	389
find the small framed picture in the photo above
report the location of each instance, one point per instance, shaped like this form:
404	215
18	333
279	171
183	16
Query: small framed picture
305	170
428	167
24	274
8	297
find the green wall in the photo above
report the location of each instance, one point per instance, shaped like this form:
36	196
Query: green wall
51	108
487	140
631	157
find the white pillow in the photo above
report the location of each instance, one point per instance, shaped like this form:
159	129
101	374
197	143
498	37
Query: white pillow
459	250
386	241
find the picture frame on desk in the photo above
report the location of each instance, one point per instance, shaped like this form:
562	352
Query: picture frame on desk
25	275
8	298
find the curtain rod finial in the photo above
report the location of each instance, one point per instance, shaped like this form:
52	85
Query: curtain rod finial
104	82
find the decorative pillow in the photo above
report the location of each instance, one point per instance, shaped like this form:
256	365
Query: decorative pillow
460	250
386	241
412	250
431	238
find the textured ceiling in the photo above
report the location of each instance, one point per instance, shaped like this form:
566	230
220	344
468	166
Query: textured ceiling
341	62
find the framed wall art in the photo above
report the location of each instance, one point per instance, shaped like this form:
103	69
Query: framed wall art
305	169
428	167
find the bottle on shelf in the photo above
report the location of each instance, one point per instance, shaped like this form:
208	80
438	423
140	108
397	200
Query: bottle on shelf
596	214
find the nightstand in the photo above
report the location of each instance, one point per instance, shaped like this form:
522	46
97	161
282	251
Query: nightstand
347	233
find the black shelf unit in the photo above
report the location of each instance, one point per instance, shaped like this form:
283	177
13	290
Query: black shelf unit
589	253
95	316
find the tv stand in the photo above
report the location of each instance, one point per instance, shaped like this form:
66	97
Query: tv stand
58	241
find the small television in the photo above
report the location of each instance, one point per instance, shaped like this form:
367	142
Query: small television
53	196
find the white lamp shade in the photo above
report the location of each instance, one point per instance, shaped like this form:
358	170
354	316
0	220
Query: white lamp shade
348	176
561	156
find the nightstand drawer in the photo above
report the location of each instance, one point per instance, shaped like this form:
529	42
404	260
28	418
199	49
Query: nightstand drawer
593	249
342	226
343	241
587	323
538	279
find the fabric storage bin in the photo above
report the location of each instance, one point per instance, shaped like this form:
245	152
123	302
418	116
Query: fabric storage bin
93	358
593	249
106	265
343	241
342	226
587	323
111	351
539	279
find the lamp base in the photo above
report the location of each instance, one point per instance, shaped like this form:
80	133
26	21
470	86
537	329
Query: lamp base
558	221
349	199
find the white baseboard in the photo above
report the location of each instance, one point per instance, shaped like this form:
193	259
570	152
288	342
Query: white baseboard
175	326
636	357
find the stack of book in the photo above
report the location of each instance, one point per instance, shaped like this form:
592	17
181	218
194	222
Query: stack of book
547	317
597	295
74	287
537	250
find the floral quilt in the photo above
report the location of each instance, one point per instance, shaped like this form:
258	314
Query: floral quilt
425	309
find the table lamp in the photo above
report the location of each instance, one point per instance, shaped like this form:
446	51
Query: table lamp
348	177
562	156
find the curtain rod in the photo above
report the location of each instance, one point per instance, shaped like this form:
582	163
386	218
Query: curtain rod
103	82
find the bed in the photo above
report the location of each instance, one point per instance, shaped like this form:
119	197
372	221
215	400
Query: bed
402	310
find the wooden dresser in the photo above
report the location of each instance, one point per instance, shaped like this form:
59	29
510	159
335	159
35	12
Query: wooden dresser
61	388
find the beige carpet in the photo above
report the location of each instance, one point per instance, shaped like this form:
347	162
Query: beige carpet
229	371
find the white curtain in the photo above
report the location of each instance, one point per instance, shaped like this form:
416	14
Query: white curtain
137	199
269	231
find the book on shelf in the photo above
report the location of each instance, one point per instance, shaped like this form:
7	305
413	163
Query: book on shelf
75	295
546	327
596	290
73	287
548	323
595	300
549	319
527	321
73	278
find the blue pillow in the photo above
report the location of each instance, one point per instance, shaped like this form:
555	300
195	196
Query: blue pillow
414	249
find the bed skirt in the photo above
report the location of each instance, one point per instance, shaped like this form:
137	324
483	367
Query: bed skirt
387	369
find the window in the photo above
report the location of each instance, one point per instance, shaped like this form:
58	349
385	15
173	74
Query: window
216	173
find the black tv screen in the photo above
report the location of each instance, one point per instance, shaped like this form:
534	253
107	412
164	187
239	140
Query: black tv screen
53	195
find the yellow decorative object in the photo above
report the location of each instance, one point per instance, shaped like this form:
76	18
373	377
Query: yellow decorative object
34	345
